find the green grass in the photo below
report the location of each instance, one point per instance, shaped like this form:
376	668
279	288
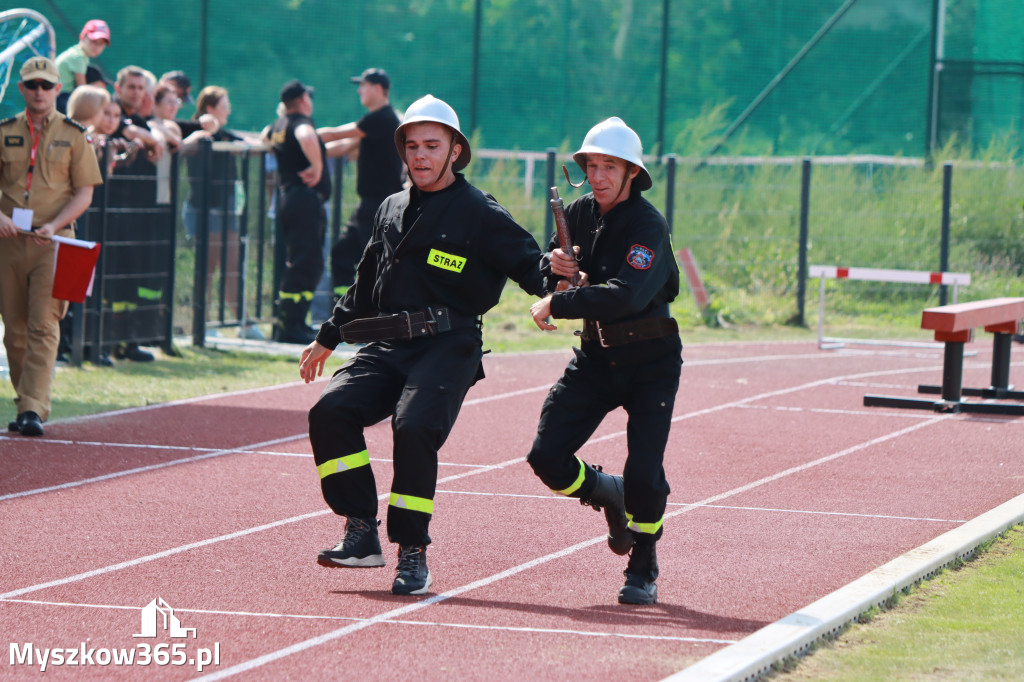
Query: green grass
89	389
964	624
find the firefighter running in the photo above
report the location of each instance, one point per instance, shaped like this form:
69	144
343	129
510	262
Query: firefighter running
438	257
630	354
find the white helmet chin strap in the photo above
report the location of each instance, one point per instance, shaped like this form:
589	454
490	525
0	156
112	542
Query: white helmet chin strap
569	180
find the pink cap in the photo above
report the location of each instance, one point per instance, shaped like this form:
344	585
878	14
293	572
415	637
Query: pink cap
96	29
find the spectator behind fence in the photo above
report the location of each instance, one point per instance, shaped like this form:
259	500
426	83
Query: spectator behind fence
183	86
86	105
93	76
101	115
166	104
48	195
132	189
221	186
73	63
305	185
378	173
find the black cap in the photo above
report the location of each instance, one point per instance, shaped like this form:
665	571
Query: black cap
375	76
181	81
94	75
293	90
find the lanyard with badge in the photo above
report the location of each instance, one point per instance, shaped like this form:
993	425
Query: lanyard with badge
22	217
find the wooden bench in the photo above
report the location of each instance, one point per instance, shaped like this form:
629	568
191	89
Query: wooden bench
954	326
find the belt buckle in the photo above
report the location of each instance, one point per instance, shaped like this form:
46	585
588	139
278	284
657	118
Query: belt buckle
600	334
440	318
408	322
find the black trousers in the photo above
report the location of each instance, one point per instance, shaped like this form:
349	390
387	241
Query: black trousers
302	220
420	384
643	379
347	251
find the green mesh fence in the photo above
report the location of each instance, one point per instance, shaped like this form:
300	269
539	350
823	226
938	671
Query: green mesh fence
533	74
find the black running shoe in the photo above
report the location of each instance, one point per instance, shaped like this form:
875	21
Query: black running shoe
413	576
359	549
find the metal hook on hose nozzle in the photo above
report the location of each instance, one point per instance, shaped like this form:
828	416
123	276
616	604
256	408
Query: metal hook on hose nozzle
569	180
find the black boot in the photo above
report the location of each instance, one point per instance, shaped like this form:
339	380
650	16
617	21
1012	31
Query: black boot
291	323
359	548
607	493
641	572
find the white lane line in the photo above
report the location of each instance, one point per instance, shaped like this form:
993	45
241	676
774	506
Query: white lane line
483	582
561	499
906	414
220	538
174	403
819	512
382	460
210	452
150	467
421	623
159	555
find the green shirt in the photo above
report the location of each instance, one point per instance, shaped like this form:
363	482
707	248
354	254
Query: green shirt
69	62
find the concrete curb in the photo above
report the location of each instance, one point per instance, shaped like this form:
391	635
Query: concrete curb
753	656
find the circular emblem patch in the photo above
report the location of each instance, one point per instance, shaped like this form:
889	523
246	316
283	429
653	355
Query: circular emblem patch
640	257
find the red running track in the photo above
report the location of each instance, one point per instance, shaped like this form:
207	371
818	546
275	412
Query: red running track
784	488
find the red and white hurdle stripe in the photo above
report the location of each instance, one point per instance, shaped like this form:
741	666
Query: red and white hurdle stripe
954	279
900	276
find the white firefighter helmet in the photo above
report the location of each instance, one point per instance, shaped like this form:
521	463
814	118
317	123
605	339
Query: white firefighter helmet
429	109
614	138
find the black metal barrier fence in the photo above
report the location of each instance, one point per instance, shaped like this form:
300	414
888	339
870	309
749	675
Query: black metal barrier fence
187	247
132	217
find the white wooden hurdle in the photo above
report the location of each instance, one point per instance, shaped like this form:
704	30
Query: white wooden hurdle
954	279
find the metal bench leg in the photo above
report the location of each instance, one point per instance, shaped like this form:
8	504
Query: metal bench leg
952	371
1001	360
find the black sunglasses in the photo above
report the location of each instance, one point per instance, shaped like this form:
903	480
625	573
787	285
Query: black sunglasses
35	85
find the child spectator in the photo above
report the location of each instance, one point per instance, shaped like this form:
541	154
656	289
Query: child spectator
73	62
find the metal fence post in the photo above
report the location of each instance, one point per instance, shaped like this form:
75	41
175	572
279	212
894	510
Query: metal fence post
801	275
172	256
243	243
100	234
947	193
261	239
202	253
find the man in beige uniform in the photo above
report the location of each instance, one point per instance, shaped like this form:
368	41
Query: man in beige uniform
47	172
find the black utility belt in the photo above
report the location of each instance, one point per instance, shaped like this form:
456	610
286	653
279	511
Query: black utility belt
292	186
405	325
620	334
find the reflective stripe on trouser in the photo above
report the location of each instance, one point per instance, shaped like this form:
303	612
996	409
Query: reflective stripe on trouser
577	483
591	387
421	386
411	502
648	528
147	294
334	466
295	296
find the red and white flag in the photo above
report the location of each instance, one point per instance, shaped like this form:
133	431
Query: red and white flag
74	268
